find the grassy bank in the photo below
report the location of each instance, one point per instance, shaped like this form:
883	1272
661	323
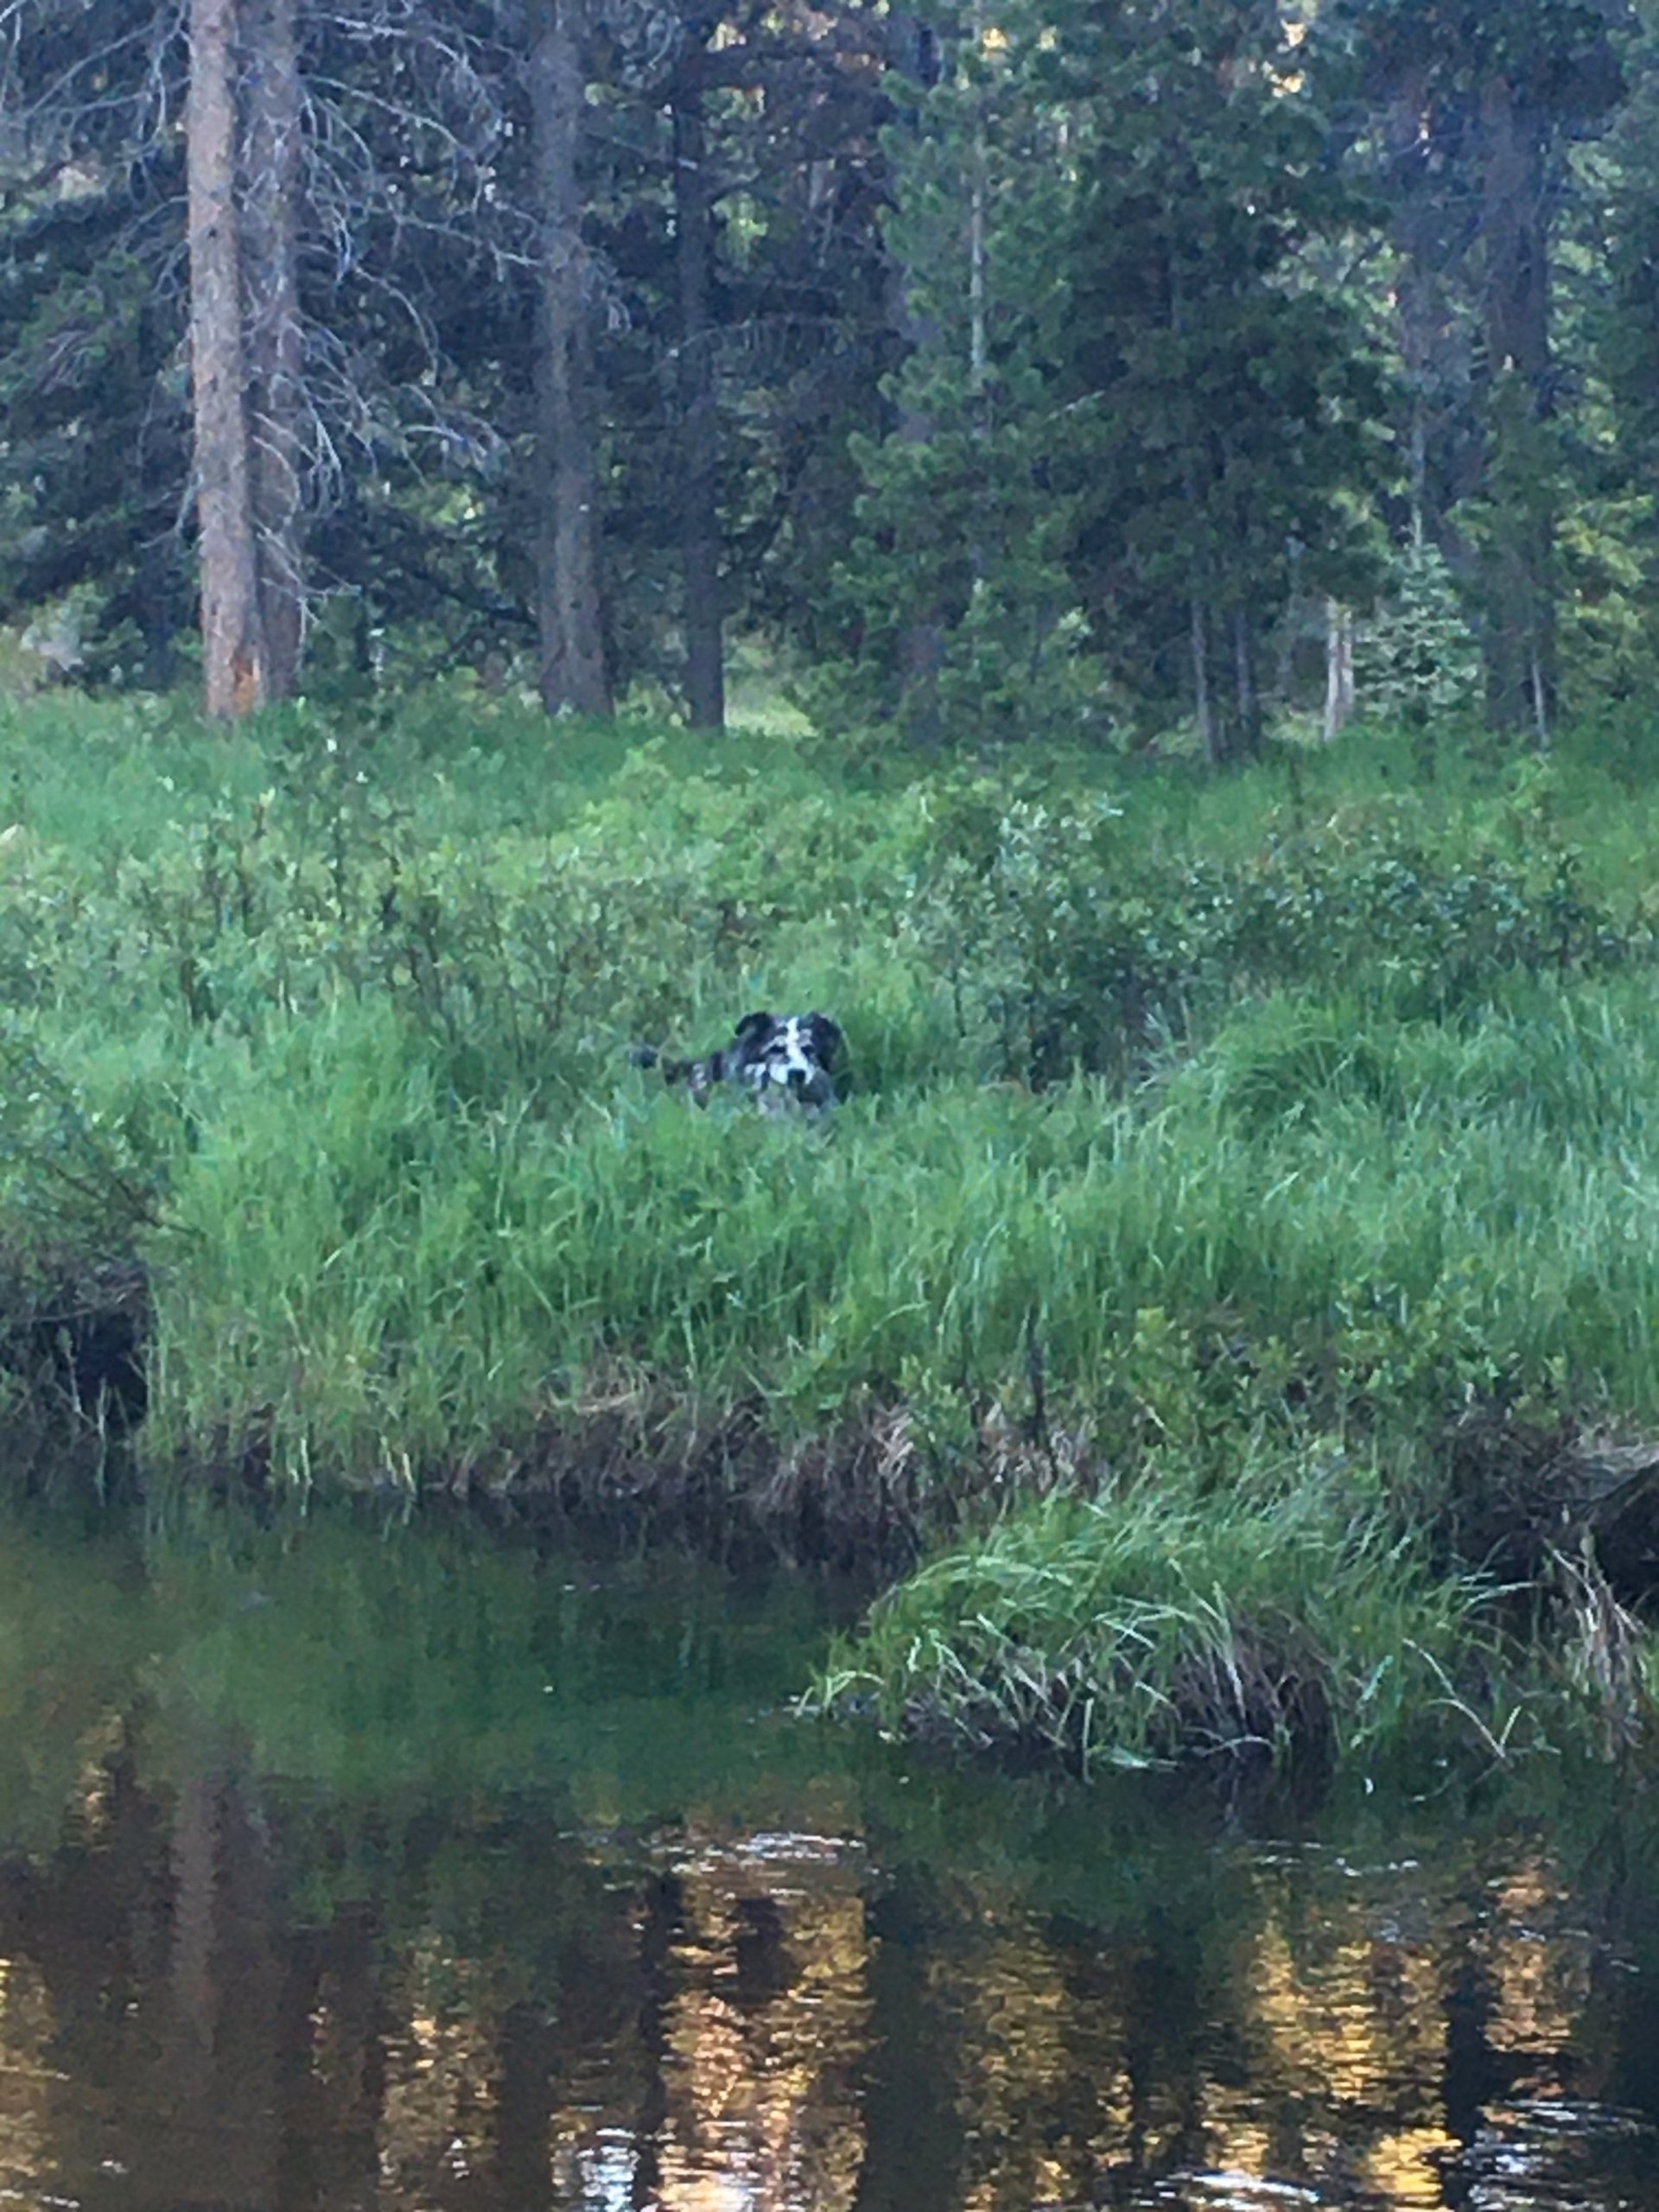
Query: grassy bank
1238	1235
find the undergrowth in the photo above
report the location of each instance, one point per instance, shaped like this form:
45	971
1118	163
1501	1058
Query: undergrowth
1211	1157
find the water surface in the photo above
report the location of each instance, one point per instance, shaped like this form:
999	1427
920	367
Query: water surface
428	1870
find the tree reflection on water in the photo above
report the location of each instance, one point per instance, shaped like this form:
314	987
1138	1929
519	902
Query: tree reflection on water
430	1874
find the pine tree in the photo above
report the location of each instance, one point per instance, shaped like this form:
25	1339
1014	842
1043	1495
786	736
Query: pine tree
1482	108
1228	401
964	523
1418	662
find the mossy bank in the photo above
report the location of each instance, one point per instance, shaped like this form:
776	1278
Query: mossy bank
1238	1245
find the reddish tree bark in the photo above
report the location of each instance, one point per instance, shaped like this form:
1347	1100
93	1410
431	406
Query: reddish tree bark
569	592
694	227
1518	638
233	651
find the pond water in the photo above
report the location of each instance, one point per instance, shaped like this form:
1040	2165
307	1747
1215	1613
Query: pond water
427	1870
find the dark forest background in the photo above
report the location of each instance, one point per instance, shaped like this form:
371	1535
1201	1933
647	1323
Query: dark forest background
1125	367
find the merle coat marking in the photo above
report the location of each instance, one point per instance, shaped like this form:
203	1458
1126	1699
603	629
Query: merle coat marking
782	1060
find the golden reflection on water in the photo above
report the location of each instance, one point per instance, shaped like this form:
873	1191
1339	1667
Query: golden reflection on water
463	1959
704	2021
1348	2020
441	2074
761	2034
1538	1964
26	2075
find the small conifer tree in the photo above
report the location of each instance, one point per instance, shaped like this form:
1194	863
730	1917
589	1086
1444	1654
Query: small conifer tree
1419	661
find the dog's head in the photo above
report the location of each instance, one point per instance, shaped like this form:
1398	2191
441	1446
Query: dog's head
785	1058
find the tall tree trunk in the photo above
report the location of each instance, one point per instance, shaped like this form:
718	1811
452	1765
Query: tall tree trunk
1339	668
694	238
1428	187
1204	700
569	606
1423	317
912	59
1518	636
919	654
275	368
1247	729
233	653
157	586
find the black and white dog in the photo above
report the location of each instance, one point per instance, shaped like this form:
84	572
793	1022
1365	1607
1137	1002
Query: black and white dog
781	1060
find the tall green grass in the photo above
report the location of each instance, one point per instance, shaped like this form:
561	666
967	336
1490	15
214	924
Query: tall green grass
400	1273
1273	1621
1193	1131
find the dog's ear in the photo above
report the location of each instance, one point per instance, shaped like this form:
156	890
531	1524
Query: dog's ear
827	1039
753	1029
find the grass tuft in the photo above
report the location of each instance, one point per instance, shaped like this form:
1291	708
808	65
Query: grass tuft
1273	1625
